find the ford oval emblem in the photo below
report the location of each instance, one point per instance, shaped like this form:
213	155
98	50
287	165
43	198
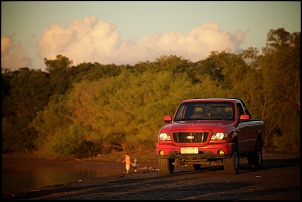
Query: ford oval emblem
189	137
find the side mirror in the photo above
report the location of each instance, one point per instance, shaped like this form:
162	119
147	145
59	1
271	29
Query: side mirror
244	117
168	119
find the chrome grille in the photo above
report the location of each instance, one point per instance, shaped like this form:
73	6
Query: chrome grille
190	137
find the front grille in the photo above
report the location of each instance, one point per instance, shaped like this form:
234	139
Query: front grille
190	137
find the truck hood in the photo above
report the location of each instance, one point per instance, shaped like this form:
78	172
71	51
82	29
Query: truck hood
198	125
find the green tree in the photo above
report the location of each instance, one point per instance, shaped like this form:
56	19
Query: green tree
25	93
60	63
60	74
281	85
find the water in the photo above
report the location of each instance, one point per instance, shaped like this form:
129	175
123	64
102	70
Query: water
28	174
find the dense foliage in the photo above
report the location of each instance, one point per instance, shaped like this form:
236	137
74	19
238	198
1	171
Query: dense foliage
92	109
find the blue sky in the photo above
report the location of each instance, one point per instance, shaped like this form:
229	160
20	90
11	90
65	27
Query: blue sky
127	32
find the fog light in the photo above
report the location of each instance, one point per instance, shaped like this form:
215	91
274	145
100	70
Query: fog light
221	152
161	152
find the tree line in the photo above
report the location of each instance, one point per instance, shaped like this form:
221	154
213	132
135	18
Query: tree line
92	109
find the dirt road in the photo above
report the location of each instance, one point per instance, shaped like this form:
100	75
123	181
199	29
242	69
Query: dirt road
278	180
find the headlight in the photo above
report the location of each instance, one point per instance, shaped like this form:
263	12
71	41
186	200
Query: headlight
164	136
217	136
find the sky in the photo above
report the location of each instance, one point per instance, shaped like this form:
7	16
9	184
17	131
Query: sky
129	32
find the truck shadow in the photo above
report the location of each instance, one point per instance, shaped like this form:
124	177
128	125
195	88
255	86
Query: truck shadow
244	167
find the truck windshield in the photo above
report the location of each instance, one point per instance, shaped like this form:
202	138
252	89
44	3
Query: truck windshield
205	111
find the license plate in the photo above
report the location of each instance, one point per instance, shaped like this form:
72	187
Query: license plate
189	150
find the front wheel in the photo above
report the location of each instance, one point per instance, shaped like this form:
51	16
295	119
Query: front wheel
231	165
165	166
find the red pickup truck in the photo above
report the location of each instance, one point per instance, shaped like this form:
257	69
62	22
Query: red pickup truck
210	131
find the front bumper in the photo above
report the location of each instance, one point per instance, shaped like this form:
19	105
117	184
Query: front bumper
212	151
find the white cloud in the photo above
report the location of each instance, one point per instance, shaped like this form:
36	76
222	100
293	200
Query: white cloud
92	40
84	40
13	56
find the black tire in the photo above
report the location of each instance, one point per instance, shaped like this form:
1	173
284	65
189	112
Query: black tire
165	166
231	165
255	158
194	166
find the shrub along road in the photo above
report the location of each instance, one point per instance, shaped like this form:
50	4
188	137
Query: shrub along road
278	180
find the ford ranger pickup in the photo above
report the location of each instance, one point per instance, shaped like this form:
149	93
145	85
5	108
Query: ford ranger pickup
210	131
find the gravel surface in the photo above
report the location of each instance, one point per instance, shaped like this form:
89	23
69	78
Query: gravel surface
278	180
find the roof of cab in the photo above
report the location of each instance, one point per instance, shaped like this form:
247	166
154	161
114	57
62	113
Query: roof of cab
211	99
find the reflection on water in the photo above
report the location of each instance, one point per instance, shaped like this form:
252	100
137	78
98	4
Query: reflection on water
21	174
